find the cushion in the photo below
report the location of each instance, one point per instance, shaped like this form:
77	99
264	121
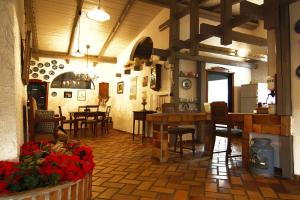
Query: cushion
45	127
181	130
234	131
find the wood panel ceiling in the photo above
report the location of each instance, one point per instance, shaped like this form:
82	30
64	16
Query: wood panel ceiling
54	20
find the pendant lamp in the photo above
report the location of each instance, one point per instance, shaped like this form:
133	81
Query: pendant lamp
98	14
77	53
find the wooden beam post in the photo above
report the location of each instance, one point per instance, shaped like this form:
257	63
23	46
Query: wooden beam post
209	30
194	27
174	30
226	14
31	23
116	27
66	56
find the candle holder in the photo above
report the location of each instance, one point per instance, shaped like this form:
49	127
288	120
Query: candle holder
144	103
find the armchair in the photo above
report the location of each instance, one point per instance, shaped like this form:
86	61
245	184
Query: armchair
43	125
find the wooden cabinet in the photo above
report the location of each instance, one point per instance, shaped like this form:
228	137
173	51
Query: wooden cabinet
38	90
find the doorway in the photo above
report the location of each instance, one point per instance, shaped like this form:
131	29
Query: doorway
220	87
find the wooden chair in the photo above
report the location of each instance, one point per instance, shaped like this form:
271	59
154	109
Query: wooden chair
223	127
90	120
43	125
178	131
63	121
104	121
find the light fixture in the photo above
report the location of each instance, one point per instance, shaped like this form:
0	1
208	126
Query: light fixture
98	14
77	53
90	73
242	52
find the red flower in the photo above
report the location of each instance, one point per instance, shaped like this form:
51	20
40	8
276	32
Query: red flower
84	152
30	148
3	187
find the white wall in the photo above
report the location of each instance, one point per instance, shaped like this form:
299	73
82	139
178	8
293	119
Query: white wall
259	75
105	73
295	62
12	90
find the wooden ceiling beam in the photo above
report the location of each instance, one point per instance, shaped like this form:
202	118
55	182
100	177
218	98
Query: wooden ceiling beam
31	23
116	27
217	7
210	30
287	2
66	56
215	60
161	3
226	15
205	14
194	26
75	23
252	10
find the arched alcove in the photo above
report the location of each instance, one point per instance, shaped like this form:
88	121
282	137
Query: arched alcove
142	49
73	81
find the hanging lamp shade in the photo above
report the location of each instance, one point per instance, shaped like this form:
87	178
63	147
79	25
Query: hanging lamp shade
77	53
98	14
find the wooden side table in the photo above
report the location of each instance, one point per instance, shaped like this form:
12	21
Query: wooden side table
140	116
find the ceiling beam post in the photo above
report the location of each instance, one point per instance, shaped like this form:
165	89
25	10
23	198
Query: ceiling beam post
194	26
116	27
31	23
226	14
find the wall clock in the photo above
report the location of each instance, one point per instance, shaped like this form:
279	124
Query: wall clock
298	71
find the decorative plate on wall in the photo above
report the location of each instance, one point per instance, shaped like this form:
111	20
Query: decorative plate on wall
186	84
46	77
54	62
297	26
35	69
42	71
54	67
54	94
61	66
40	65
32	62
35	75
30	71
51	72
47	64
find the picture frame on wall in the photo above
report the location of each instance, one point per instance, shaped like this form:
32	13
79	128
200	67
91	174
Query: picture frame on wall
133	88
68	95
81	95
145	81
120	87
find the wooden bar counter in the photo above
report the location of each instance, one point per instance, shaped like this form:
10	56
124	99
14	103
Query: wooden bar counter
257	123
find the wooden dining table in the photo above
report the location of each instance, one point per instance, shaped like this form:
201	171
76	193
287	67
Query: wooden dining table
257	123
78	116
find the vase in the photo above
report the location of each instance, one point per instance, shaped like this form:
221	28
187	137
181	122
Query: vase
79	190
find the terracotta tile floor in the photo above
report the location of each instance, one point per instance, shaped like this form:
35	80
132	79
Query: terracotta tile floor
125	170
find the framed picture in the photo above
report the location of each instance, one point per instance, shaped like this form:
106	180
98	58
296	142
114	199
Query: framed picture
145	81
81	95
133	81
67	94
120	87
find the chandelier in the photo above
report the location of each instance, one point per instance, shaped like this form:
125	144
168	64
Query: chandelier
89	74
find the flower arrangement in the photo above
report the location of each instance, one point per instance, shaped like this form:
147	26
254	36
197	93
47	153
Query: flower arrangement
45	164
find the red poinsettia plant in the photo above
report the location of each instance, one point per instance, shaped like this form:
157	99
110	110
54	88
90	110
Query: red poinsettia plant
43	164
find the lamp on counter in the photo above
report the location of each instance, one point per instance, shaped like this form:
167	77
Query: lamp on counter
137	64
144	99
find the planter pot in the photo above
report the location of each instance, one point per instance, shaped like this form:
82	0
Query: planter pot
79	190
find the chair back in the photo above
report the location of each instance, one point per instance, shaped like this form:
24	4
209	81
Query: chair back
107	112
169	108
92	108
219	112
61	116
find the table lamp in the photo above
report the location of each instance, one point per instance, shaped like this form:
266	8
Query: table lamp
144	98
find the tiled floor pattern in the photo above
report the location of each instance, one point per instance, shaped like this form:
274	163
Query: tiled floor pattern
125	170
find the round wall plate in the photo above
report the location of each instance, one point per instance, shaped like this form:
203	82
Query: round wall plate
186	84
297	26
47	64
54	67
54	94
298	71
54	62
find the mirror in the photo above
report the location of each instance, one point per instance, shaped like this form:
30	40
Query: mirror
186	84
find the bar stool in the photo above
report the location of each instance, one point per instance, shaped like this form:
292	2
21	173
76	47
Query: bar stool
178	132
